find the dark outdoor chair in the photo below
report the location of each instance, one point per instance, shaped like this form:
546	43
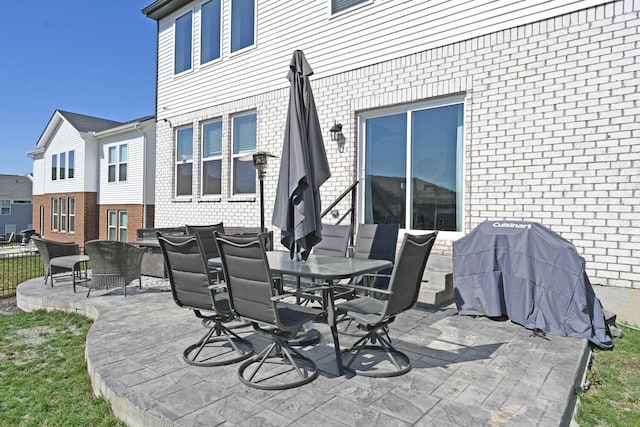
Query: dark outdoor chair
373	241
113	263
335	240
373	315
207	241
254	297
6	241
192	288
50	249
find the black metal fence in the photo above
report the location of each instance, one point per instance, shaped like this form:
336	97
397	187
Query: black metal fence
16	267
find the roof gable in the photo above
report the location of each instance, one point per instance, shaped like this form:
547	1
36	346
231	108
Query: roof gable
84	123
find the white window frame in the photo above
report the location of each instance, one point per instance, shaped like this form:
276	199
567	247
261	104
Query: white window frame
62	204
347	9
175	44
54	167
72	215
117	163
243	154
180	161
220	36
4	205
255	29
204	160
71	167
112	227
122	231
435	103
54	214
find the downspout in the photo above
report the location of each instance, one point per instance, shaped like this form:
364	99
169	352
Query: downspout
144	178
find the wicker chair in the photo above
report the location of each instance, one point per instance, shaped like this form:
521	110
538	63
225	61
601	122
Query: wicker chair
113	264
48	250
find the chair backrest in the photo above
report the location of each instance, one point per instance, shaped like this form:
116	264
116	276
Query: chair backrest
377	241
114	257
248	278
407	272
188	273
335	240
205	233
50	249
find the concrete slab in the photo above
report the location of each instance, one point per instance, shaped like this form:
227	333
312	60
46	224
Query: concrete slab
466	371
624	302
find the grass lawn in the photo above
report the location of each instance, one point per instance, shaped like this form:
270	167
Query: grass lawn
43	375
614	396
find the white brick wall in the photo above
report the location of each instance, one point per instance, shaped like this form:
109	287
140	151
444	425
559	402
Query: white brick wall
552	132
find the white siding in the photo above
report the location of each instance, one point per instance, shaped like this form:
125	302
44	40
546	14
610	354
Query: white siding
64	139
375	32
130	191
150	164
38	175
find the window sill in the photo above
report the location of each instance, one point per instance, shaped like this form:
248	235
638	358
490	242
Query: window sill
210	199
188	199
243	198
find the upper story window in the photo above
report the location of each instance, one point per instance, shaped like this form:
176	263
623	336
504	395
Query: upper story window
340	5
54	167
71	165
184	161
210	30
183	43
63	165
244	142
212	158
5	207
242	24
117	156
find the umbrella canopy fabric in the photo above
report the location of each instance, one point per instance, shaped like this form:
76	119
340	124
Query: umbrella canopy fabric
303	165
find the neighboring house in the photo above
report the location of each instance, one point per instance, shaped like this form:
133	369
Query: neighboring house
15	204
452	113
93	178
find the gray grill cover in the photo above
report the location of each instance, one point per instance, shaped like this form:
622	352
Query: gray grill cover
532	275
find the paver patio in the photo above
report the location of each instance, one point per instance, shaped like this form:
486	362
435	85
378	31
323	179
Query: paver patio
466	371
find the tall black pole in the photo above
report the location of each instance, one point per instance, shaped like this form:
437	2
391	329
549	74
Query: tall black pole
262	229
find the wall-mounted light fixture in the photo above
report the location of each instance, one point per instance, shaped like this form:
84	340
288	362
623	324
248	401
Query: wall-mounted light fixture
337	136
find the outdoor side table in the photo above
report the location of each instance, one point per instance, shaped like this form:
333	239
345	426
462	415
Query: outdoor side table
73	262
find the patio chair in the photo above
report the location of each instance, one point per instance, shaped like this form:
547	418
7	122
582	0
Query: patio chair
114	263
207	241
50	249
192	289
5	241
335	240
373	315
254	297
373	241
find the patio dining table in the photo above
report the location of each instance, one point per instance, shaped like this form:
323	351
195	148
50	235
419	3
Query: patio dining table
324	268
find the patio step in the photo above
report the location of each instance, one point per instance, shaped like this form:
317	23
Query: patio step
438	290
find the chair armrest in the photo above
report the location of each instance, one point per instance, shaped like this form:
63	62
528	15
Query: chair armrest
369	289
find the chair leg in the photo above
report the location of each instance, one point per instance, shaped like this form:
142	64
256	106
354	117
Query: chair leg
288	361
400	360
223	340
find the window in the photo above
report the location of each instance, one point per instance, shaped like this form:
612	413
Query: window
63	166
122	165
242	24
244	142
54	167
63	214
5	207
184	161
117	157
182	51
54	214
340	5
72	214
111	225
413	167
122	226
210	31
71	167
212	158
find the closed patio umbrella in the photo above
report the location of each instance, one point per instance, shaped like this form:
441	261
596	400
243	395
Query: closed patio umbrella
303	165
